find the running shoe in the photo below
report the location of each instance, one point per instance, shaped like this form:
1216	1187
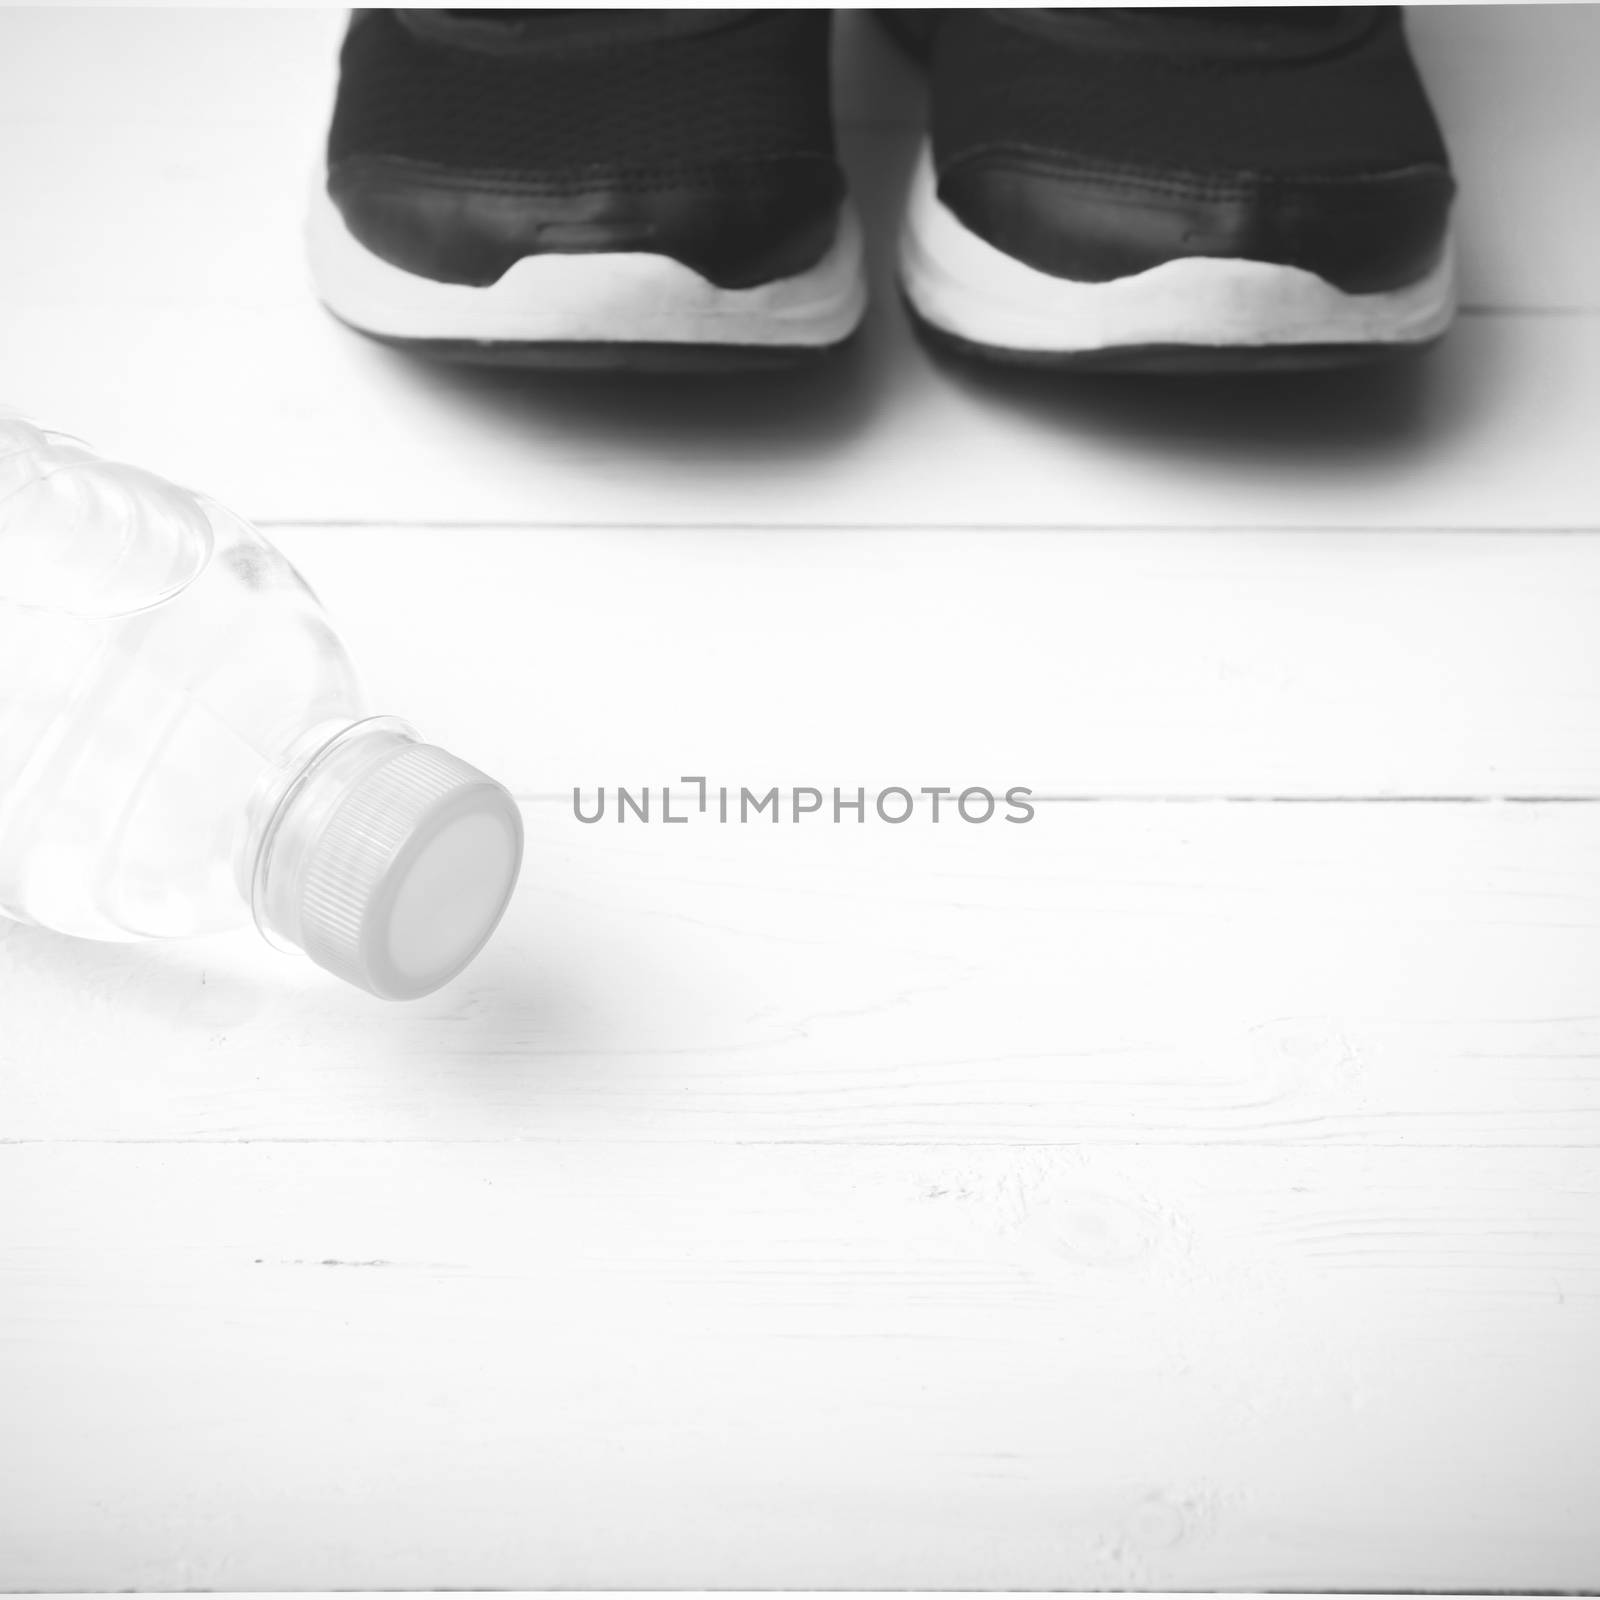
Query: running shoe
588	188
1177	189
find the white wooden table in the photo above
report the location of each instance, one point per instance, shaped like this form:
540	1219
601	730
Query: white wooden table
1195	1187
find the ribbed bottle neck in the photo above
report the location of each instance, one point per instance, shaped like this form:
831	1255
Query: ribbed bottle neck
305	787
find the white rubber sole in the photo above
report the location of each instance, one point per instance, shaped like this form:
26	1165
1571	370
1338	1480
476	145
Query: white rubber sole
623	299
963	286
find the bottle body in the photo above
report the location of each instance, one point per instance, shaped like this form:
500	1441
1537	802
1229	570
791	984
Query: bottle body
184	746
135	749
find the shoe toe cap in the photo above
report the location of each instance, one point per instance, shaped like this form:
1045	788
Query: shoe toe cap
1362	232
737	225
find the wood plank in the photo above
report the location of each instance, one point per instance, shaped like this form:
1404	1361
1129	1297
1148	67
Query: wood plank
1373	976
379	1366
1170	1193
1193	663
288	417
170	321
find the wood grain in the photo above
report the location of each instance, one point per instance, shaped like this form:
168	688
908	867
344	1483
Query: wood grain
1195	662
1164	974
368	1365
1193	1188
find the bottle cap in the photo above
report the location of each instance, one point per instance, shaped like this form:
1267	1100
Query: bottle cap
409	873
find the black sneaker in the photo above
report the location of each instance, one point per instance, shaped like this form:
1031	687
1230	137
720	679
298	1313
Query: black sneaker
612	188
1178	189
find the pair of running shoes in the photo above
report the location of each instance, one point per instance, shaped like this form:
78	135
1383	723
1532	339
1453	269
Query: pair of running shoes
1144	189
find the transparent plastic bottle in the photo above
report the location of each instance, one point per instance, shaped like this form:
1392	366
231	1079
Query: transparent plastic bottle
184	746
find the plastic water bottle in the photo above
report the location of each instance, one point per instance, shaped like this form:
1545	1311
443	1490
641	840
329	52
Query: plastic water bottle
184	747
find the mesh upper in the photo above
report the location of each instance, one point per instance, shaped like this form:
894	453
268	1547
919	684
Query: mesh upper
1238	91
559	94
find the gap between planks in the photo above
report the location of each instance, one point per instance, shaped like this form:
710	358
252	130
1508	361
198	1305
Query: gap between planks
1041	530
1235	799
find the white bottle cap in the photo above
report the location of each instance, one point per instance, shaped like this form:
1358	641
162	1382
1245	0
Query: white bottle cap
409	873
